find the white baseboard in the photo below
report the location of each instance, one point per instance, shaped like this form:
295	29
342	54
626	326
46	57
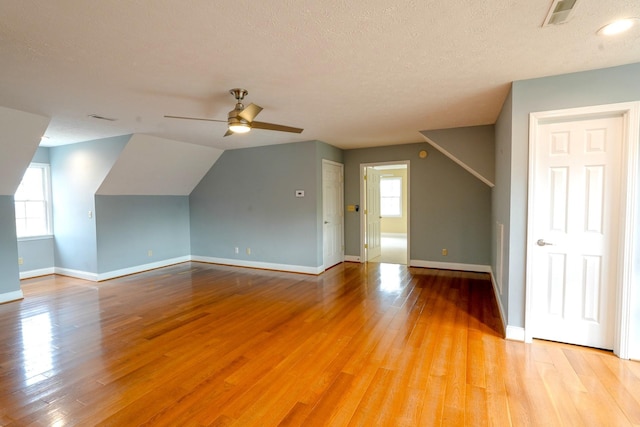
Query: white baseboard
140	268
78	274
478	268
11	296
351	258
496	294
515	333
260	265
95	277
36	273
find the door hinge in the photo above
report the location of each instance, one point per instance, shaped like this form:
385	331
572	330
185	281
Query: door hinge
366	246
365	177
365	211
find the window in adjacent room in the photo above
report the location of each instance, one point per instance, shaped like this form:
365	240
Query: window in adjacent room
391	196
33	202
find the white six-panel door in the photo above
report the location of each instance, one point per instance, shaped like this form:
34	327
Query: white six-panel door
332	216
573	245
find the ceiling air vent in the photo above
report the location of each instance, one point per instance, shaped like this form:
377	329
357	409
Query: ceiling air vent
560	12
96	116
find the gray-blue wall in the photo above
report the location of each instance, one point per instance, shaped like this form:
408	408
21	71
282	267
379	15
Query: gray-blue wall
597	87
77	170
448	207
9	276
472	145
128	227
41	155
247	200
36	254
500	201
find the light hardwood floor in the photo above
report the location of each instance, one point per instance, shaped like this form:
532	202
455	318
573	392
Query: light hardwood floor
362	345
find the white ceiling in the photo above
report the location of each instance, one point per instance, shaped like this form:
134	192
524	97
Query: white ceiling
352	74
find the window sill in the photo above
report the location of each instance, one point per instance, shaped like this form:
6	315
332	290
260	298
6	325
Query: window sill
27	238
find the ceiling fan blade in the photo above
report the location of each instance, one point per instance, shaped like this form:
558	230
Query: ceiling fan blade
195	118
250	112
227	133
272	126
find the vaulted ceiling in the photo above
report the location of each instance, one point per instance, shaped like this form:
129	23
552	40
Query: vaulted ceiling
352	74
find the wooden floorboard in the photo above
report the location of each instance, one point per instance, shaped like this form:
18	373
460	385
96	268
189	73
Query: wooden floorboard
360	345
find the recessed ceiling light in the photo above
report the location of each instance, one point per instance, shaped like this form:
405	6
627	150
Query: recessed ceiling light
617	27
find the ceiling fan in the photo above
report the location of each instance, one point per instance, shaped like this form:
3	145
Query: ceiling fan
240	119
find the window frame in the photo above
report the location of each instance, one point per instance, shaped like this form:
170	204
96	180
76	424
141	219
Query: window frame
46	191
399	197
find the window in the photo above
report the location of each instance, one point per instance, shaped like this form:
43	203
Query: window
391	196
33	202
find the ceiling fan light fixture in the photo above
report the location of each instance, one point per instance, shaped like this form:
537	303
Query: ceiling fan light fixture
239	128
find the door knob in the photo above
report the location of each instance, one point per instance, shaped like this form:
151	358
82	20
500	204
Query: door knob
541	242
326	222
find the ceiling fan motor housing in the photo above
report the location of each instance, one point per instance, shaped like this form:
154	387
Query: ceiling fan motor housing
234	117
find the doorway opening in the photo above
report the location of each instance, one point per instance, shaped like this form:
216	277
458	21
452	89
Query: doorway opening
385	214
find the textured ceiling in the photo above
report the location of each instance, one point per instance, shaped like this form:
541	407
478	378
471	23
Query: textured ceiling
352	74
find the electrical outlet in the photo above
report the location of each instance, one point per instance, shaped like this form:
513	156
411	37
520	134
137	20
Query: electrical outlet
20	261
150	252
248	251
237	250
445	252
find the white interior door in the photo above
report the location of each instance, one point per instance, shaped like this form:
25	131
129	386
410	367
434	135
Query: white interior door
332	208
573	239
372	213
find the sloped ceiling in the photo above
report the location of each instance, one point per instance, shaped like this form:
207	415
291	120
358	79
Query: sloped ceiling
351	73
20	135
149	165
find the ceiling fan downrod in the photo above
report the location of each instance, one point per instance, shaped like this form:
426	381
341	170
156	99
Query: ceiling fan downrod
238	93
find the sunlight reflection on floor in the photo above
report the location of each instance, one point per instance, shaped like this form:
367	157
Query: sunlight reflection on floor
36	345
390	277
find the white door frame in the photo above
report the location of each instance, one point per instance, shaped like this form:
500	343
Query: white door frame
630	112
363	224
341	207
